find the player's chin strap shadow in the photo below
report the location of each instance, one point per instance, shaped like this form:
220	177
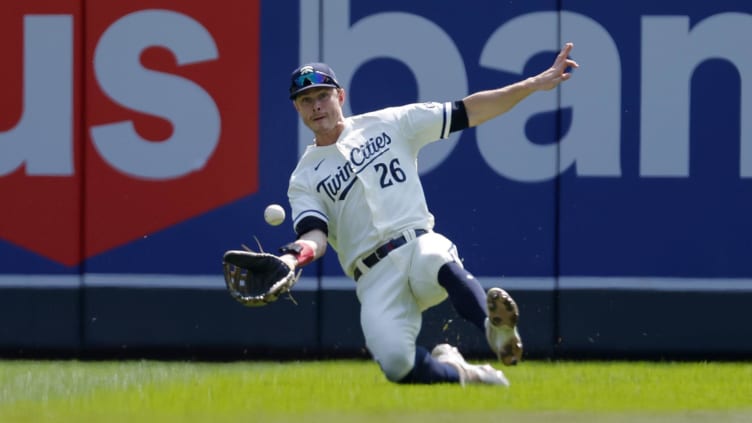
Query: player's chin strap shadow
261	249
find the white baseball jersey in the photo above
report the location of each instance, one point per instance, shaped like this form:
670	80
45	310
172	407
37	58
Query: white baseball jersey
366	186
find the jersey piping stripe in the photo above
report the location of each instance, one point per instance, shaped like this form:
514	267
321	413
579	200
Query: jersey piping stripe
310	212
444	125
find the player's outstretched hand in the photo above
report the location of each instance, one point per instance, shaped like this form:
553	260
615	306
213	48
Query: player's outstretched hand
553	76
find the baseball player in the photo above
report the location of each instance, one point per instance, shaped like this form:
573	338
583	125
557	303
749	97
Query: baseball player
357	189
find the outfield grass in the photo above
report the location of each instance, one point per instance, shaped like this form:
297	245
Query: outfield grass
350	391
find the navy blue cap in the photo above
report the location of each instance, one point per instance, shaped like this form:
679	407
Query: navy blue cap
312	75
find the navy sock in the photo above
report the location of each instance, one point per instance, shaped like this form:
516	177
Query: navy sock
465	293
427	370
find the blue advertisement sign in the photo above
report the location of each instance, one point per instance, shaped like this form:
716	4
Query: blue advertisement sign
636	172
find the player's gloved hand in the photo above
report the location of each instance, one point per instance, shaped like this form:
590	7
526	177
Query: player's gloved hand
256	279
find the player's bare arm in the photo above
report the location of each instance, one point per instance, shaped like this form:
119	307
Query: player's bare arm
485	105
313	246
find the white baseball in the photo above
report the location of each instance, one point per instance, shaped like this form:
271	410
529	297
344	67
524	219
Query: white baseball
274	214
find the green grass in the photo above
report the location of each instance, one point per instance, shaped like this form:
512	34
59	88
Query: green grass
349	391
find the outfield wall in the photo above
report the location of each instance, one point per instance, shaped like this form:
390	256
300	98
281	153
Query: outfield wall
140	140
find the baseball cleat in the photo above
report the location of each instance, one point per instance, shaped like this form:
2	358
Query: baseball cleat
501	326
469	373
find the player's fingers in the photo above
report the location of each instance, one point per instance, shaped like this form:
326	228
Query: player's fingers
561	68
564	53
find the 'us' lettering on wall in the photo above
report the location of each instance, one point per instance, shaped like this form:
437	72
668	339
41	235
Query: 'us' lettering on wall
119	119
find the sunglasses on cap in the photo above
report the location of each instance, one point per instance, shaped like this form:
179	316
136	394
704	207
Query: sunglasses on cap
312	78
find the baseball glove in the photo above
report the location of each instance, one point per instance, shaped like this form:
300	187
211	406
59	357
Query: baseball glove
256	279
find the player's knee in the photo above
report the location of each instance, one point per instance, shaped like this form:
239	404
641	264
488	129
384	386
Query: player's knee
453	273
396	366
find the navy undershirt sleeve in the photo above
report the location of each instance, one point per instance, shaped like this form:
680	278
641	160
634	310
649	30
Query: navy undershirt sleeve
459	117
310	223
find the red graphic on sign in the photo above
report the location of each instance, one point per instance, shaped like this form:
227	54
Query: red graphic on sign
148	121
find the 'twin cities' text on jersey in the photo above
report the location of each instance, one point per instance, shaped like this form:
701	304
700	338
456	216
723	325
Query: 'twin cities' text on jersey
365	186
360	158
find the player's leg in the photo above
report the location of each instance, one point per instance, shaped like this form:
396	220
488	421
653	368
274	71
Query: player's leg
465	293
437	272
495	313
445	359
391	319
427	369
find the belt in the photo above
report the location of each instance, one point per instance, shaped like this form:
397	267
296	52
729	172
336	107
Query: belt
370	260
